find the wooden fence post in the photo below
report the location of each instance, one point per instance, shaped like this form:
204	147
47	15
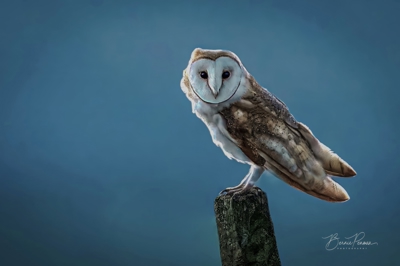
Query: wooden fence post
245	230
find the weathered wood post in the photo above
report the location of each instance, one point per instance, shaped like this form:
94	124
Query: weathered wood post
245	230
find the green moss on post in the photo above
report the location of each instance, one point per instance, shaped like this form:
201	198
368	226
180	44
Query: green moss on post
245	229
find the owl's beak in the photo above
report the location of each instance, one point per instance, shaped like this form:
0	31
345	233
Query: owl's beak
215	87
215	94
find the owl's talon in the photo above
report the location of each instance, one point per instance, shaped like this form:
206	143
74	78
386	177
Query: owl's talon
226	191
236	190
239	192
223	192
230	190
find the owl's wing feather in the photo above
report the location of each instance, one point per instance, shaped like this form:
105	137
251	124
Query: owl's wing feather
293	162
326	189
267	132
332	163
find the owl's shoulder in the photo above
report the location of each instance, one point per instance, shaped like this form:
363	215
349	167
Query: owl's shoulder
259	100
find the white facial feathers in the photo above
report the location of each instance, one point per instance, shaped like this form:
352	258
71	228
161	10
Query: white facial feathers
215	81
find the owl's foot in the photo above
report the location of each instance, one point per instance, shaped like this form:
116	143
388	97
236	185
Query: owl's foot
231	190
240	192
236	190
247	183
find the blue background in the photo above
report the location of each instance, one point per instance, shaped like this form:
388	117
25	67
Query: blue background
103	163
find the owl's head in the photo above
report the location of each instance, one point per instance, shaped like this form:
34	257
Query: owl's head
214	75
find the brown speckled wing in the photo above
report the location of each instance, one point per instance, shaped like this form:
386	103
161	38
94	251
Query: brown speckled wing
267	133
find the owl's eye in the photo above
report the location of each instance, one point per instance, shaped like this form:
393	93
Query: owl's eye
226	74
203	75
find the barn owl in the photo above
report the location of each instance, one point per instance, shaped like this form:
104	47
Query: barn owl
254	127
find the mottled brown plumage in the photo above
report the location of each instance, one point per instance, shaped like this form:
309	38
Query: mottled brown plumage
261	115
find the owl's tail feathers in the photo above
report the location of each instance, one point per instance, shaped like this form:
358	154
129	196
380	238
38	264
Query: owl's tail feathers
334	191
323	188
313	181
331	162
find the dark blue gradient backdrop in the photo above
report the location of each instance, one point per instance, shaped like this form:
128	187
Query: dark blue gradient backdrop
103	163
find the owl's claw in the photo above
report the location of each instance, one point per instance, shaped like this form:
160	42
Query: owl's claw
241	191
235	190
247	183
230	190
